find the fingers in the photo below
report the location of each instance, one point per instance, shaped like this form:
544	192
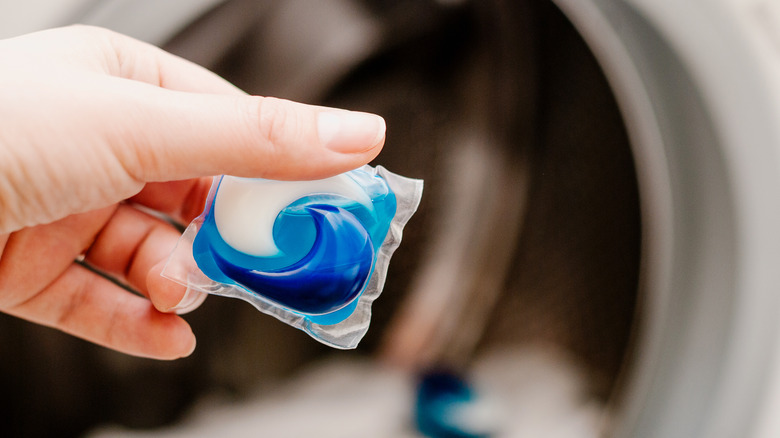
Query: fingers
162	135
33	257
169	296
181	200
132	245
191	134
95	49
40	283
133	59
86	305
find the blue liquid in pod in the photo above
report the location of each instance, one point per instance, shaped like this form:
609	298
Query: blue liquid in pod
327	247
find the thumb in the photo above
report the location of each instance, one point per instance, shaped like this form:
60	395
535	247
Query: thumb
180	135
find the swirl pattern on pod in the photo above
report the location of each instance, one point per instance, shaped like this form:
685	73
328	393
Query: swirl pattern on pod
307	246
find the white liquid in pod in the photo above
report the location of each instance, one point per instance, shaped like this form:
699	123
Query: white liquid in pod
245	208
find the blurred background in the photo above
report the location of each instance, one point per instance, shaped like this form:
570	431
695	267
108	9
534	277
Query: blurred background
595	253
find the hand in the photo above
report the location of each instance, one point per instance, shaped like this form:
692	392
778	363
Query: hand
92	122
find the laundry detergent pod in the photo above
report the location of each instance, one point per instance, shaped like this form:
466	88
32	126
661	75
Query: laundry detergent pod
312	253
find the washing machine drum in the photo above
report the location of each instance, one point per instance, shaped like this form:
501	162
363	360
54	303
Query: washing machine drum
601	178
529	231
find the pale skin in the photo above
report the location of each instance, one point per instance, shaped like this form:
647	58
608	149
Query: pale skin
95	123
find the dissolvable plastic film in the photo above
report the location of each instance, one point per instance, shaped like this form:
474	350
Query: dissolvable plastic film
313	254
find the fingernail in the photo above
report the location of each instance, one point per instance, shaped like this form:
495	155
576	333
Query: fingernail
191	300
350	131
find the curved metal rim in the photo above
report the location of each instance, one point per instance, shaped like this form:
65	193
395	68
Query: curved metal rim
704	337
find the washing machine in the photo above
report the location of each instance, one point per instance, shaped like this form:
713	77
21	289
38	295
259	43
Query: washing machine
690	91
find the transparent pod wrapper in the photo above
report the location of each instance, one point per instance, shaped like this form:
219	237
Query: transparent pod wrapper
313	254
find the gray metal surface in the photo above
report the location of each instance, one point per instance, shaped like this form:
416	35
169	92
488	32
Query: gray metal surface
701	122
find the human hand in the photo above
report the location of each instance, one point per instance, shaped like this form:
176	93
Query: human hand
91	119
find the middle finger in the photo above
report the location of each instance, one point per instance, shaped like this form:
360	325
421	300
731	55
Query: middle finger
130	244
